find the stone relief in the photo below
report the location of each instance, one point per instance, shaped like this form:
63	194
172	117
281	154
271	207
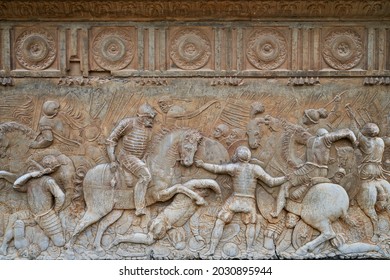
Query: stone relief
343	49
190	49
113	49
117	170
267	49
212	131
35	49
208	9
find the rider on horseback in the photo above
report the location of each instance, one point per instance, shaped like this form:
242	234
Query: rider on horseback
316	165
136	133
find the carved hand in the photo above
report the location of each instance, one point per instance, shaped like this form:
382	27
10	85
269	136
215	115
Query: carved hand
199	163
114	166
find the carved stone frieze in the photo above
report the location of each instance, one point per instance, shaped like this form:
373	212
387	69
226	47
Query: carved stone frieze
266	49
36	49
190	49
194	129
113	48
343	49
193	10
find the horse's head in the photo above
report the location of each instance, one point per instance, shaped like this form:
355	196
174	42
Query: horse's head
188	146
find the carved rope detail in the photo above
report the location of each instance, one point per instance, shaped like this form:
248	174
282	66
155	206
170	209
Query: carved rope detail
190	49
343	49
35	49
267	49
113	49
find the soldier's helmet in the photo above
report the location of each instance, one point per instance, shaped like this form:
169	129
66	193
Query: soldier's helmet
145	110
242	154
50	161
50	108
322	131
370	130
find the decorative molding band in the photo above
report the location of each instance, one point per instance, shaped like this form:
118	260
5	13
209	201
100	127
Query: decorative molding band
187	10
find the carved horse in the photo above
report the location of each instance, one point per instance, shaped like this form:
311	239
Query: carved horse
323	204
369	200
173	151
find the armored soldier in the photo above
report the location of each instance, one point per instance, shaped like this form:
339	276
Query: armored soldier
136	134
45	199
244	175
316	165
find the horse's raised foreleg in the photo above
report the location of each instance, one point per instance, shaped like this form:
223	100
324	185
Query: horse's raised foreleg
187	189
327	233
88	219
168	193
108	220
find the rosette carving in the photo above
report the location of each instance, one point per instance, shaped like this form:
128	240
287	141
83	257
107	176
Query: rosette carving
35	49
190	49
267	49
343	49
113	49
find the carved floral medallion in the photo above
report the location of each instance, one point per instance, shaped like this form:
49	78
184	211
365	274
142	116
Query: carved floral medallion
267	49
343	49
113	49
190	49
35	49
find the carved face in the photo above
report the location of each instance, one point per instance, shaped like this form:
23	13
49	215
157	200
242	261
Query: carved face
220	130
147	121
254	133
188	147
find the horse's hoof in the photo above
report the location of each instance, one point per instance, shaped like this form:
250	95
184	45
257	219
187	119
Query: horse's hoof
113	243
3	251
209	253
100	251
201	202
301	252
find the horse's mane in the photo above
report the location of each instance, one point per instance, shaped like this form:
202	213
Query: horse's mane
160	136
8	127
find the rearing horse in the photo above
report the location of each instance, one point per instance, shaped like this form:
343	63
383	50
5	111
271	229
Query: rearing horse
108	202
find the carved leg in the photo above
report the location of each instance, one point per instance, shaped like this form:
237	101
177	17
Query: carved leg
9	231
327	233
137	238
88	219
168	193
215	236
367	199
140	190
250	238
281	199
108	220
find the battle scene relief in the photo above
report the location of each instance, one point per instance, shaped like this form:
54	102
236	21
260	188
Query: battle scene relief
211	129
194	169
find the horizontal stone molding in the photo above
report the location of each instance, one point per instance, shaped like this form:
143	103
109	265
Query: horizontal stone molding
188	10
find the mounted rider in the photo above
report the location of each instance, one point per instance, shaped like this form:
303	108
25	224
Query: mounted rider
136	134
316	165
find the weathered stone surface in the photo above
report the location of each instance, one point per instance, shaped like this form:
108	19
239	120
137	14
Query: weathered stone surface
143	138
